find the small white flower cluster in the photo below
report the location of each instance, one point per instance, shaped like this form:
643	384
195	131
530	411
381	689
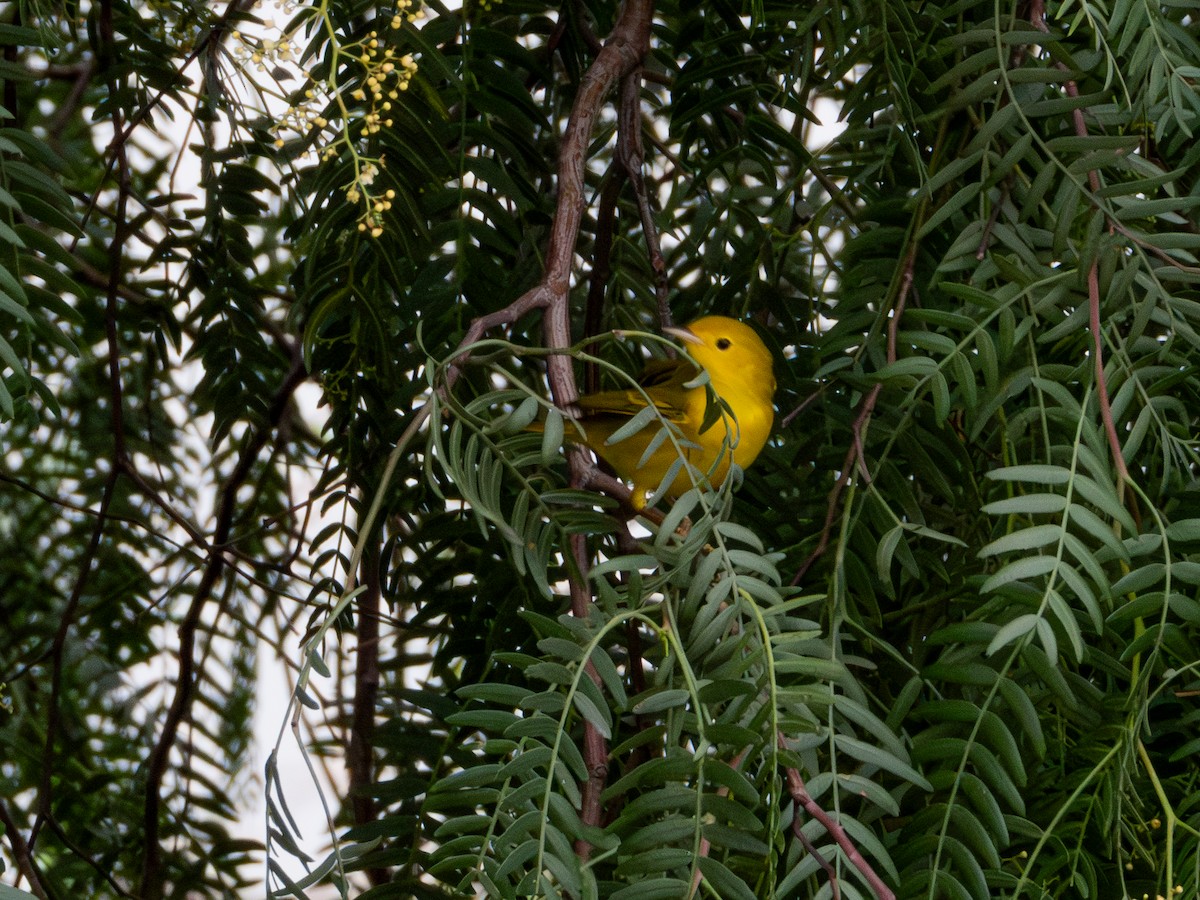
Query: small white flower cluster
346	107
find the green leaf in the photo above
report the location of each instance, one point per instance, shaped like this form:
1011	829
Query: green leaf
1019	570
1034	474
722	881
661	700
597	715
1027	504
1027	539
875	756
1012	632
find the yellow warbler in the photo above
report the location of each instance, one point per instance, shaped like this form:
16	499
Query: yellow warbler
739	369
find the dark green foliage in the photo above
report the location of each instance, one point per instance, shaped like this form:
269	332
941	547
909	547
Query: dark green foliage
952	608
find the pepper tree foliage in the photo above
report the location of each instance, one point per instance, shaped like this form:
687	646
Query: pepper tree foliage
940	642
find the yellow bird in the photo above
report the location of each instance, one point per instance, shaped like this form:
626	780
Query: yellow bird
740	371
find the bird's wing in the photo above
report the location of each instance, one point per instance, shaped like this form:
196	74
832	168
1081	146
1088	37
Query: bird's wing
666	372
662	380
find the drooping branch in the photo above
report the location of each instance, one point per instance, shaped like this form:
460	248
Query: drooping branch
621	55
26	864
623	52
360	758
1106	415
1037	17
123	134
626	166
630	156
116	259
185	688
803	799
855	459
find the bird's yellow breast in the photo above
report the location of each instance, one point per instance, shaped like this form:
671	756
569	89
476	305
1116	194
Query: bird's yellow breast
739	368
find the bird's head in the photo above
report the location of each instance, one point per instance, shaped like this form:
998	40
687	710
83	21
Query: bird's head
732	353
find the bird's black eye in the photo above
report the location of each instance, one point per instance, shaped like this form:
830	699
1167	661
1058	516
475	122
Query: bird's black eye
724	343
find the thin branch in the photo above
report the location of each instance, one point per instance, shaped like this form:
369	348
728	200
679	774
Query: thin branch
621	55
1106	416
985	239
856	454
116	250
104	871
1037	16
67	504
586	34
595	746
152	875
122	135
601	269
811	850
802	405
81	75
360	759
26	864
630	157
801	797
705	843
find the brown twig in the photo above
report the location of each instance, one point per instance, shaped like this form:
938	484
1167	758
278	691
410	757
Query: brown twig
630	156
985	239
856	453
586	34
593	315
121	135
152	882
705	843
80	75
1106	416
595	747
104	871
802	797
802	405
26	864
621	54
67	504
360	759
852	460
116	251
1037	16
811	849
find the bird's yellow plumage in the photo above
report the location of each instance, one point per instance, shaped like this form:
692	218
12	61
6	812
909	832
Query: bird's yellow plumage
739	369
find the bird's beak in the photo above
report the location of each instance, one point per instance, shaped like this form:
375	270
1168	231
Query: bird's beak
682	334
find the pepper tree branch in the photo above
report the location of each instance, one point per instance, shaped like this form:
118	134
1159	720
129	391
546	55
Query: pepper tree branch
1037	17
360	759
593	314
152	885
856	454
630	156
26	864
627	165
621	55
116	256
802	798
